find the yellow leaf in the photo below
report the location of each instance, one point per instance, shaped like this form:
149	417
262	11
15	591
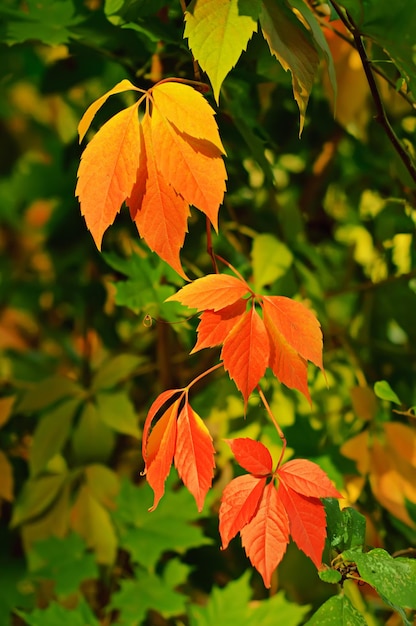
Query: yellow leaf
108	171
188	110
89	114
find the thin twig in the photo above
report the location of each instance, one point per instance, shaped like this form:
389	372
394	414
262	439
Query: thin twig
381	115
276	425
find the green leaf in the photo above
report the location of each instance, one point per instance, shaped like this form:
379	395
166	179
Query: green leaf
65	561
117	411
37	495
47	21
147	535
93	440
147	591
218	31
392	26
271	259
330	575
56	614
225	606
51	434
265	612
292	45
383	391
115	370
346	528
47	392
395	579
337	611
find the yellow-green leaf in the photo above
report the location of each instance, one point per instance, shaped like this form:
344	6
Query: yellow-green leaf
218	31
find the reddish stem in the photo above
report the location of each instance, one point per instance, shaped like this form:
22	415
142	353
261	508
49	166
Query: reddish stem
198	378
276	425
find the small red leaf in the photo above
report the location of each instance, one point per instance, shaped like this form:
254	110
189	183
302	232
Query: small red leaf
266	536
252	455
214	326
239	503
194	454
245	352
307	522
308	479
214	291
298	325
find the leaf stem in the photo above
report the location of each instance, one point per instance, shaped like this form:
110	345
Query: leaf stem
276	425
381	115
210	248
201	376
236	272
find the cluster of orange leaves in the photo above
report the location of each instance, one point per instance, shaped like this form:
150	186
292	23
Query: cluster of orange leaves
158	165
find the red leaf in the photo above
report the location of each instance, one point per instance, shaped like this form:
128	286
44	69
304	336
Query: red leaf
160	450
214	326
245	352
252	455
102	190
298	325
307	478
285	362
239	503
162	217
214	291
266	536
194	454
307	522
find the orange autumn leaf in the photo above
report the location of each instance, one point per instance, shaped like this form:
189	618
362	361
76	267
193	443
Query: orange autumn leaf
107	171
161	217
266	536
214	326
180	436
194	454
284	339
213	291
158	166
245	352
239	503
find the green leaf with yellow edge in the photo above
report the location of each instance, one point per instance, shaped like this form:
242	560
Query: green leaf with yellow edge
147	535
271	259
51	434
337	611
117	411
292	44
147	591
318	38
93	440
218	31
65	561
92	521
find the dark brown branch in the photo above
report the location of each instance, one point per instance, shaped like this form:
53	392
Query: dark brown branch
381	115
